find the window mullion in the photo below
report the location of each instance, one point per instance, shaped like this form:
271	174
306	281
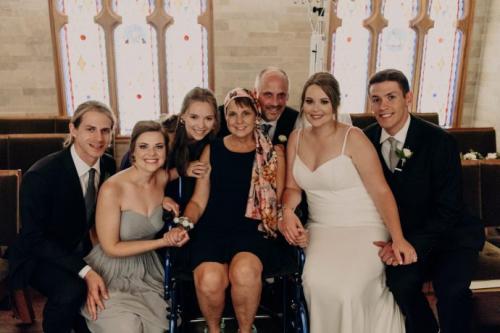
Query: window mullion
421	24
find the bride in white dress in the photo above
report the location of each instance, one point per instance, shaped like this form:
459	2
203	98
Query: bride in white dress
350	207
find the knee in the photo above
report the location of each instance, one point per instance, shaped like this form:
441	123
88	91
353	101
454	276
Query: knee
245	274
70	295
208	281
452	292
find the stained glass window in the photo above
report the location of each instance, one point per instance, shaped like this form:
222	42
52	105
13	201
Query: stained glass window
83	54
420	38
136	64
186	42
110	52
441	51
397	40
350	46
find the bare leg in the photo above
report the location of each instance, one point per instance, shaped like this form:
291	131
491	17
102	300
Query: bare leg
211	281
245	275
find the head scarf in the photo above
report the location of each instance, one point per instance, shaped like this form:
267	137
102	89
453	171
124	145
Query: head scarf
262	198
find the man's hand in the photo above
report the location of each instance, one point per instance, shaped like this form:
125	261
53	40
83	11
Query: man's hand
170	205
96	293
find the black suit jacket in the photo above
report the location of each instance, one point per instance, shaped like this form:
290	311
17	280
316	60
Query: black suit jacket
53	216
284	126
428	190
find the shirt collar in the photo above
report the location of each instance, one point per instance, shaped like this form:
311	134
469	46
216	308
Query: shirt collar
272	123
400	136
81	167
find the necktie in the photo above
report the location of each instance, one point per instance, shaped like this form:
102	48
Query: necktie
266	128
90	196
393	157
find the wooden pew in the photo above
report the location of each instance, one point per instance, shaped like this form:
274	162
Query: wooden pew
480	139
25	125
9	227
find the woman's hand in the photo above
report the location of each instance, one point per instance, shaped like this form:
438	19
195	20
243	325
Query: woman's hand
169	204
197	169
175	237
404	252
292	229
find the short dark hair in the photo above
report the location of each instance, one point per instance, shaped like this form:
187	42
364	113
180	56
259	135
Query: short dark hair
145	126
330	86
391	74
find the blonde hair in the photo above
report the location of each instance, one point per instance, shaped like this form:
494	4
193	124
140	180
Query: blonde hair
82	109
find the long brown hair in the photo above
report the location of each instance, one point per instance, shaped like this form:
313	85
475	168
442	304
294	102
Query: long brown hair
329	84
180	149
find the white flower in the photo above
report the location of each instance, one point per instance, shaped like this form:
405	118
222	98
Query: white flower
184	222
470	156
407	153
491	156
282	138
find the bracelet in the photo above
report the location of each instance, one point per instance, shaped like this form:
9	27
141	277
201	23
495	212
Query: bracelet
184	223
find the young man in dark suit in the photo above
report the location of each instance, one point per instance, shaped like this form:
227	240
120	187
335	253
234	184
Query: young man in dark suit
271	91
422	166
57	203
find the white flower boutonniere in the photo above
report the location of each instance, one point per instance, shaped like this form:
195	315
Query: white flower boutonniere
404	155
282	138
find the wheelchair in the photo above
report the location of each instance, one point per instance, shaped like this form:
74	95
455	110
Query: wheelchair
283	283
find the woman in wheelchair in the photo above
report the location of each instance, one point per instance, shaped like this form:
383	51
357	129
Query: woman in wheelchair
234	208
128	216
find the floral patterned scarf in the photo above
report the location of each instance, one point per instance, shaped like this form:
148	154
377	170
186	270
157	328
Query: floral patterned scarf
262	198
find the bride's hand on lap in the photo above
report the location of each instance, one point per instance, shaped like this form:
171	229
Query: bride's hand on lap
175	237
291	228
404	252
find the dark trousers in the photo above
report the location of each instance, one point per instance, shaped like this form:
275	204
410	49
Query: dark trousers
450	272
66	292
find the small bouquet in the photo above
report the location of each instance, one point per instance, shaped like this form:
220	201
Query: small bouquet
184	222
472	155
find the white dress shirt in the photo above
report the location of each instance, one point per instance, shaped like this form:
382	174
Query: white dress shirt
399	136
82	169
272	129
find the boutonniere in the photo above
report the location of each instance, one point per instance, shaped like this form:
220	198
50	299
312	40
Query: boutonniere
404	155
282	138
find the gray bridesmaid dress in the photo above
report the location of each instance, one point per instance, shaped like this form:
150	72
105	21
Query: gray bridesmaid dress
135	283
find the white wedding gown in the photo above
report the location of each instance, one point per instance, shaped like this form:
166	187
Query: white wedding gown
343	278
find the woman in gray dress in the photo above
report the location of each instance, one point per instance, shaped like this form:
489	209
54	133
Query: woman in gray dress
129	214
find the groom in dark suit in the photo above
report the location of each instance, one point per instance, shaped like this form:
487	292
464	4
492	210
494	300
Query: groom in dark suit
422	166
57	203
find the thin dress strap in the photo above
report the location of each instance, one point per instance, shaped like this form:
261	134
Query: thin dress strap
345	140
297	144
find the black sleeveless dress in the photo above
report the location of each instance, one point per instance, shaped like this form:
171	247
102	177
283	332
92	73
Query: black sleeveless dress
223	230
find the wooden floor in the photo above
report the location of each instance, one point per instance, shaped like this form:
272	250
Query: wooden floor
8	324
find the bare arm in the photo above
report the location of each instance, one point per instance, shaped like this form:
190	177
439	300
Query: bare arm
196	206
367	163
290	226
108	215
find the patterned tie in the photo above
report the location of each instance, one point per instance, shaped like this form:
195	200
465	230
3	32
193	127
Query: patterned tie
266	128
393	157
90	196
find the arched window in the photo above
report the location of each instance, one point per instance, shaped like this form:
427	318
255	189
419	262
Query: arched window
425	39
140	57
